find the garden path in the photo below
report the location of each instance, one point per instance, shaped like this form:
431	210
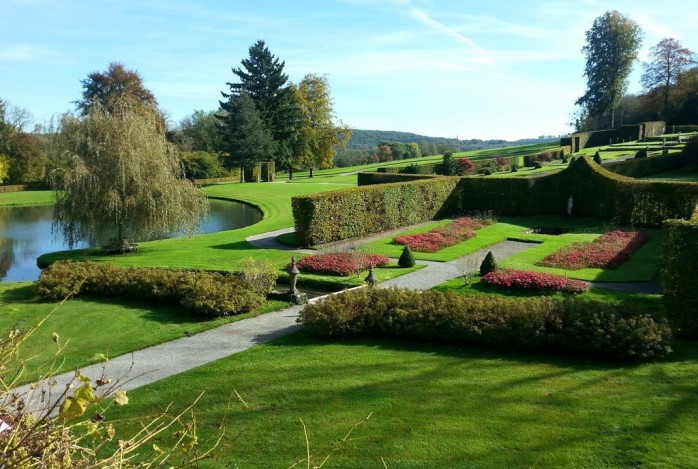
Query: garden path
151	364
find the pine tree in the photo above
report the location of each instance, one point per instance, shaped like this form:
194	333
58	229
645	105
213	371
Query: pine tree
489	264
406	258
262	77
245	137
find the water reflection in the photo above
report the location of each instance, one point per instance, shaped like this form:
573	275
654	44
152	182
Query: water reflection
25	234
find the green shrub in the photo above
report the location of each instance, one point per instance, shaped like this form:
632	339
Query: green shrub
690	151
515	168
537	165
202	165
406	258
349	213
487	172
489	264
679	273
371	178
542	323
597	157
641	154
209	293
637	168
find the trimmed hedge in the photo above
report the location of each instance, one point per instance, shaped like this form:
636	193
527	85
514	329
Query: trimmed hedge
349	213
597	192
433	168
208	293
371	178
626	332
637	168
29	186
679	274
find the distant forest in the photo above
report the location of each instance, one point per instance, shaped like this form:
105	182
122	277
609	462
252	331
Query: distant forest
372	146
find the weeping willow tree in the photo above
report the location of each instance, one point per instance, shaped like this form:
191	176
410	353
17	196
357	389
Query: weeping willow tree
123	180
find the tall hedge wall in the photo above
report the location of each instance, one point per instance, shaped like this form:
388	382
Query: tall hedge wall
642	167
596	191
370	178
331	216
679	274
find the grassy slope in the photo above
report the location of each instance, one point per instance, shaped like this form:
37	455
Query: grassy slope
115	327
437	407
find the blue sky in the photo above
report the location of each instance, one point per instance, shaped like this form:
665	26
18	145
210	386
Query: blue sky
496	69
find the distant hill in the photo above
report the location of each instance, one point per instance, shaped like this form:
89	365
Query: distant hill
369	140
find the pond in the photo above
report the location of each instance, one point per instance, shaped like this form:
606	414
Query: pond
25	234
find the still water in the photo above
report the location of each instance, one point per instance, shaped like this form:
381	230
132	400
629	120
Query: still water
25	234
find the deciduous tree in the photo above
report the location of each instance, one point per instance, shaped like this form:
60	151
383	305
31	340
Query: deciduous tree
611	48
668	59
108	88
123	179
318	135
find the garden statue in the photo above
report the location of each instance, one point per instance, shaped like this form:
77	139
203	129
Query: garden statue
370	278
295	296
570	204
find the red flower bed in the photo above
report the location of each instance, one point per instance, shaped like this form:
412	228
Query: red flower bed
606	252
434	240
341	263
524	280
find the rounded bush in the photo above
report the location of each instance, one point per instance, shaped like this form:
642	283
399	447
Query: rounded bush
641	154
514	168
537	165
597	157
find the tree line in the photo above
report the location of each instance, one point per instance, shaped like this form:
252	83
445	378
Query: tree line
669	79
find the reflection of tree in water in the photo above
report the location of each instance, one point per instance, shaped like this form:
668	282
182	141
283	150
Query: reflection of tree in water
7	256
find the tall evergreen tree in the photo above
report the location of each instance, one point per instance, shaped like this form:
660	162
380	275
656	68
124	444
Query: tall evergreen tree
245	137
611	47
262	77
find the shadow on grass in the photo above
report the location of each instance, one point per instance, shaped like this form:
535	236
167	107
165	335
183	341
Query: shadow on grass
18	294
236	246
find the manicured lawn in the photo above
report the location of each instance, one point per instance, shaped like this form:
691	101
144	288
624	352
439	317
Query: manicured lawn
90	325
476	287
642	266
435	406
26	198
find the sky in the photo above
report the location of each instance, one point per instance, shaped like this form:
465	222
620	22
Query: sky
445	68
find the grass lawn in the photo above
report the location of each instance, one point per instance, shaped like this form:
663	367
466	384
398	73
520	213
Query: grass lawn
642	266
90	325
476	288
26	198
435	406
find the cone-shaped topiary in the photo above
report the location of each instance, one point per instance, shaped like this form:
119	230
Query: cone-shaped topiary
597	157
488	265
406	258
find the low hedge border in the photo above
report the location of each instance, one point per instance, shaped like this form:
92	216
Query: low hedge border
679	274
30	186
637	168
207	293
626	332
372	178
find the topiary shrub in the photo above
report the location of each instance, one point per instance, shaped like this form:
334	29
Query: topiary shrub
514	168
690	151
489	264
641	154
406	258
597	157
562	155
487	172
537	165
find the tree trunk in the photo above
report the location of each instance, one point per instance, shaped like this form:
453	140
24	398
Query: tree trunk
242	174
